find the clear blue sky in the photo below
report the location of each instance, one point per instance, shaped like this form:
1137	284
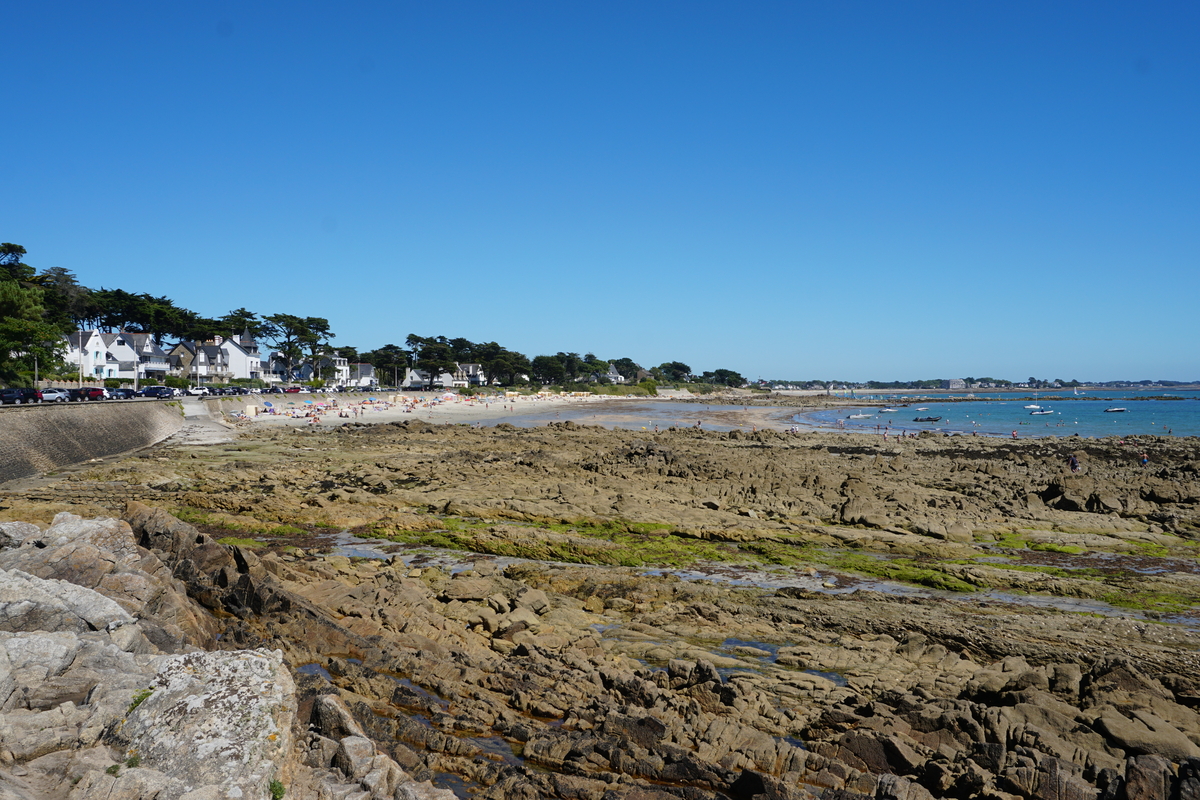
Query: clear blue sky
855	190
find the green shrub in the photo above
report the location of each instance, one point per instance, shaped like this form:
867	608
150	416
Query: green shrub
175	383
133	761
115	769
138	698
277	790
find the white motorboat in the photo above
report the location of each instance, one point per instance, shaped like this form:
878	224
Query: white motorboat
1115	410
859	416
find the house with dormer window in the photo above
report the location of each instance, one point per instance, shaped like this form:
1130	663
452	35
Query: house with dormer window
123	355
200	363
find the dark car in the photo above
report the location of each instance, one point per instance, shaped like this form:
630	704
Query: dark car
158	392
89	393
15	396
122	394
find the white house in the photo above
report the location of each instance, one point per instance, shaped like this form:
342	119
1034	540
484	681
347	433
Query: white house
241	353
416	379
274	369
334	370
362	375
88	353
613	376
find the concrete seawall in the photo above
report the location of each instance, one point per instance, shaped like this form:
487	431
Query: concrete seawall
40	438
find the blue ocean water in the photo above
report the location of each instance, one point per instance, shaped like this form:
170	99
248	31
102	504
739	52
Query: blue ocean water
986	415
1001	414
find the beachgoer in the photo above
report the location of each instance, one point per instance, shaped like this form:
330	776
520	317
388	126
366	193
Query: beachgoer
1145	459
1014	434
1074	463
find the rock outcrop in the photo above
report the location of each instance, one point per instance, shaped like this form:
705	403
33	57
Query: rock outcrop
101	696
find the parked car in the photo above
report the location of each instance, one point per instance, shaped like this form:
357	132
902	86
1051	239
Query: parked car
16	396
158	392
89	393
55	395
292	390
197	391
122	394
274	390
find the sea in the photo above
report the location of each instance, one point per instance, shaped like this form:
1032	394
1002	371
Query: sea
1147	412
1169	413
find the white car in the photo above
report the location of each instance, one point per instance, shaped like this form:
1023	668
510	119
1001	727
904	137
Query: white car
197	390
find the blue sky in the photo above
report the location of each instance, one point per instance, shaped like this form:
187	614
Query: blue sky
855	190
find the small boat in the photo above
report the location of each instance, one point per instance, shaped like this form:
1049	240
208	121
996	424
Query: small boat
1114	410
922	409
1039	413
887	411
1033	406
859	416
927	419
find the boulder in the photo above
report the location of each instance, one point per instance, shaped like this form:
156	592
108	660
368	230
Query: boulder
221	719
1145	734
1148	777
30	603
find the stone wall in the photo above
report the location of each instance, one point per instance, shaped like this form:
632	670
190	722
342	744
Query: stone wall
43	437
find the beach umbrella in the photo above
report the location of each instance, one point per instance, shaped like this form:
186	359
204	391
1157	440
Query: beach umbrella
268	404
308	402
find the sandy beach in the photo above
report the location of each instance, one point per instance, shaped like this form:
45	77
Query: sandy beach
452	409
607	411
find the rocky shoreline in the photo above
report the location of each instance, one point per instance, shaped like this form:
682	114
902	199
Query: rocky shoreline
572	673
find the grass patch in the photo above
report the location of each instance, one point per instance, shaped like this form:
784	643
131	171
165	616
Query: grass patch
1012	541
138	698
194	516
1162	602
1151	549
771	552
236	542
1050	547
900	569
609	542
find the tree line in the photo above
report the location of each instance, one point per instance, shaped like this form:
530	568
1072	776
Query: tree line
38	308
434	355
